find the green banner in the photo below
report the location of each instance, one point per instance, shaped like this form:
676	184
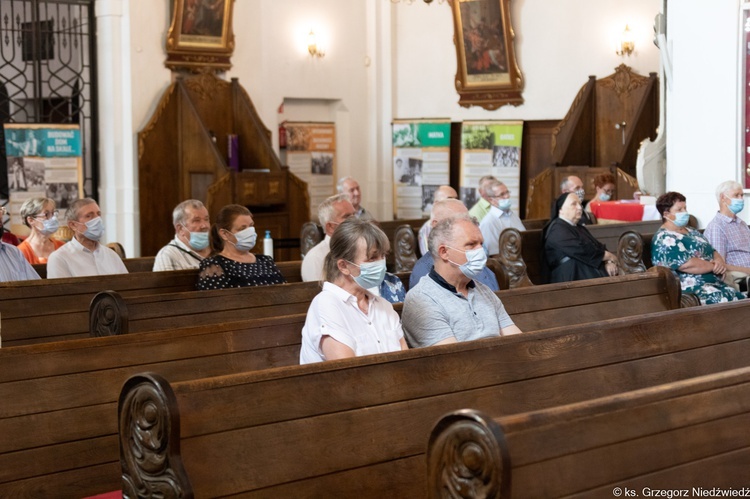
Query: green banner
421	134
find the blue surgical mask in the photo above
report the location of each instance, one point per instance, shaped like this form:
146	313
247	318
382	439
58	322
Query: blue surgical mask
245	239
504	204
199	240
371	274
604	197
50	226
476	259
681	219
736	205
94	229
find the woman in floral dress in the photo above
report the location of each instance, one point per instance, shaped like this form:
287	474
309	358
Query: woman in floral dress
687	252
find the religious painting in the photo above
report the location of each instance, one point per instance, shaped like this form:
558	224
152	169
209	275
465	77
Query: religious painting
201	35
487	74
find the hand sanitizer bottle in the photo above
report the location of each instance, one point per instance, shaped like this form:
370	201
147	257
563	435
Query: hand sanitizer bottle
268	244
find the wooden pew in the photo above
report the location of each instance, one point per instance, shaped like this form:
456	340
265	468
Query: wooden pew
595	299
47	430
58	309
358	427
678	436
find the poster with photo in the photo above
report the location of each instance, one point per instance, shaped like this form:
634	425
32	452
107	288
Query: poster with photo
311	155
421	163
490	148
42	161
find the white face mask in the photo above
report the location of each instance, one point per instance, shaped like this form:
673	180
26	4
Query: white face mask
245	239
476	259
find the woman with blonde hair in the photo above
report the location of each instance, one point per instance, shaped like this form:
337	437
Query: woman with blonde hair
39	215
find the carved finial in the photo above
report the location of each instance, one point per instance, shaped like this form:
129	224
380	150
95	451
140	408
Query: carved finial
630	253
405	248
467	458
108	315
310	235
511	260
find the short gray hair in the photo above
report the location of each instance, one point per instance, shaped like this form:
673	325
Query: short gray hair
723	187
345	240
75	208
33	206
564	184
484	184
326	208
340	184
442	233
180	211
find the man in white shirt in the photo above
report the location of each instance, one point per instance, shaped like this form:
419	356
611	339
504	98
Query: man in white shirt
84	255
191	242
331	213
441	193
499	218
350	187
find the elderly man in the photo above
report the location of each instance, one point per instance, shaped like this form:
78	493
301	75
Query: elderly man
440	211
574	184
84	254
482	207
190	244
331	213
729	234
449	305
350	187
13	265
499	218
443	192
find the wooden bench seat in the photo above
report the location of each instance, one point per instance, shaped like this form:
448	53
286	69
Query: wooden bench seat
360	426
46	430
678	436
58	309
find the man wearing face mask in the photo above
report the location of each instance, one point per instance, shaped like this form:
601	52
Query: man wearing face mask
84	254
499	218
191	243
450	305
729	234
575	185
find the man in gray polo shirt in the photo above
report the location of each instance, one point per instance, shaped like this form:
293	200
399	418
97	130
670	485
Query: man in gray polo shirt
449	305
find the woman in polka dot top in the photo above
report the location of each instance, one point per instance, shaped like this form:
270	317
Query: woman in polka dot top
232	265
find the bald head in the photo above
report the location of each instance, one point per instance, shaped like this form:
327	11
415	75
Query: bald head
447	208
445	192
571	184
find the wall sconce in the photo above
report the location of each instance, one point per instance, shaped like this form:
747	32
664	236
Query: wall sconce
312	46
627	45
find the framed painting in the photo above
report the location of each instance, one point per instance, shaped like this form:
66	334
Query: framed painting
200	35
487	74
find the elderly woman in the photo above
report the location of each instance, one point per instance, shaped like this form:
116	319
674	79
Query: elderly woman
232	265
571	253
686	251
39	215
345	319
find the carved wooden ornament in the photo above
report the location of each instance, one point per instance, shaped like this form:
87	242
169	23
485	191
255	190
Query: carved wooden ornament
405	250
200	36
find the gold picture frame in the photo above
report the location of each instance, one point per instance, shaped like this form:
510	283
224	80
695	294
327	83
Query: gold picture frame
200	35
487	74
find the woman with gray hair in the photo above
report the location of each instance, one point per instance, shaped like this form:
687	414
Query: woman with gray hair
39	215
345	319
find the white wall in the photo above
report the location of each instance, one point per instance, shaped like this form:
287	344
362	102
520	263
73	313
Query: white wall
704	106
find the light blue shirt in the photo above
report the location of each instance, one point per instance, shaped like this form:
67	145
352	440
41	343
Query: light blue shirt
494	223
13	266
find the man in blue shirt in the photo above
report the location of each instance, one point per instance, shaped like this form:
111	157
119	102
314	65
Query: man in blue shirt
13	265
442	210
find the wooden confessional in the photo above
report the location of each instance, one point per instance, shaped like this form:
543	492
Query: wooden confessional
600	133
183	154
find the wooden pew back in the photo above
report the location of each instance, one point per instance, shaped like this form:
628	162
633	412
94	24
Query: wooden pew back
358	427
682	435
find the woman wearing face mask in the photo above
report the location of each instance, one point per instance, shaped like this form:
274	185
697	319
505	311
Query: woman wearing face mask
605	189
232	264
40	215
571	253
683	249
345	319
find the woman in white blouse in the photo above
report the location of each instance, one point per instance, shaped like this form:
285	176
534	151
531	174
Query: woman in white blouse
345	320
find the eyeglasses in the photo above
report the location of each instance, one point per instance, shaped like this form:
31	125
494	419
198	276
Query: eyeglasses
504	195
46	215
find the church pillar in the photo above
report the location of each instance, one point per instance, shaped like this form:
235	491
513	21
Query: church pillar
117	171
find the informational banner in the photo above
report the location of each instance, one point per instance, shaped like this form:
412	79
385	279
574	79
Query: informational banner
42	161
421	164
491	148
311	155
